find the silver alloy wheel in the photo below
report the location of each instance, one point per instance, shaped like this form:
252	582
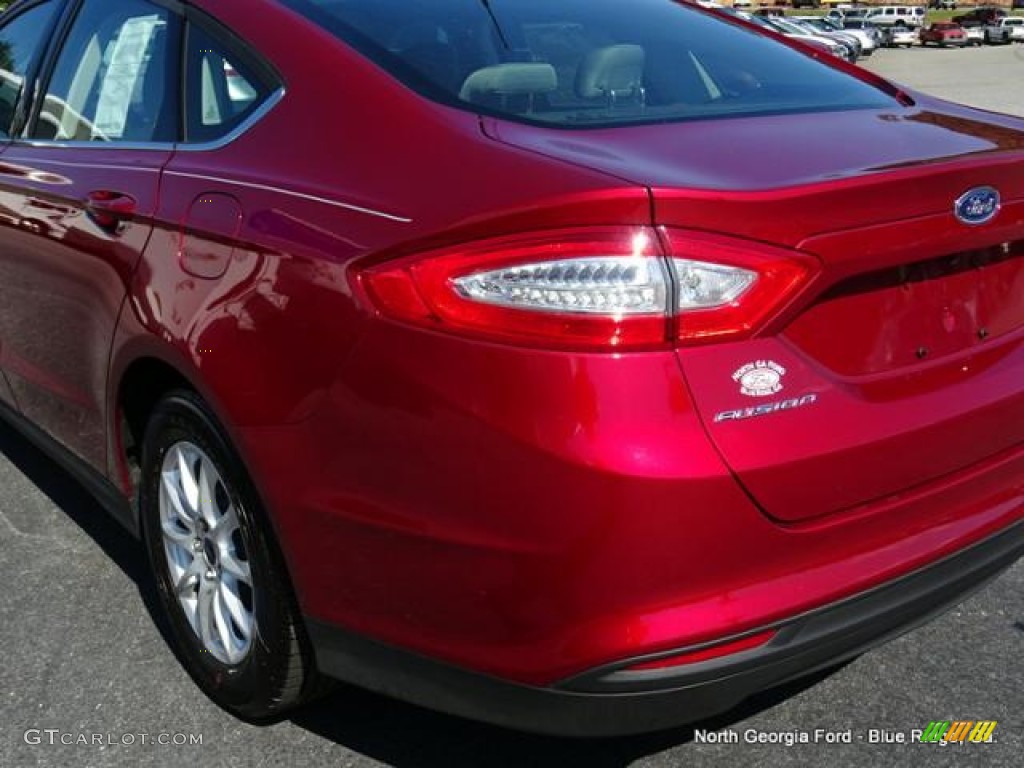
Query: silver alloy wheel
206	556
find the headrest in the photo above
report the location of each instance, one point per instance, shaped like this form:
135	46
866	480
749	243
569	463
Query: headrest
606	71
513	79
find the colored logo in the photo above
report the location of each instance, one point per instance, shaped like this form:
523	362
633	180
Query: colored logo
958	731
760	378
976	206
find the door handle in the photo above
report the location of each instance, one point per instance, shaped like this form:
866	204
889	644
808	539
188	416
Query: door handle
107	209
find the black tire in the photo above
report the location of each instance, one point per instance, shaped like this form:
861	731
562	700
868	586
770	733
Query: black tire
277	672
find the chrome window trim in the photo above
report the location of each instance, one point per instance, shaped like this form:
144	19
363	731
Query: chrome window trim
165	146
272	100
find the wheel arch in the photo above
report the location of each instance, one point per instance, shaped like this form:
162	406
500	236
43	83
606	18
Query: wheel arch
142	372
141	386
138	383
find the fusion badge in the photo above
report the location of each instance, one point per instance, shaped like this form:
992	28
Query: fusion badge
764	409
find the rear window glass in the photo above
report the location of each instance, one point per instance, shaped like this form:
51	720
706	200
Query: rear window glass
587	63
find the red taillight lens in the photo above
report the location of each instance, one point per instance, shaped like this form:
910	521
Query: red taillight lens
603	288
749	283
600	288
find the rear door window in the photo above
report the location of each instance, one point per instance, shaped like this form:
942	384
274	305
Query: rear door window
115	77
226	85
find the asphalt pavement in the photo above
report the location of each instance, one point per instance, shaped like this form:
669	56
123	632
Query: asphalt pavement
84	658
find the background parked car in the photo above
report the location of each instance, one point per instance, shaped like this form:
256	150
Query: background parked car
944	34
855	13
865	39
975	33
833	47
996	33
897	15
791	28
986	15
901	36
1015	24
876	33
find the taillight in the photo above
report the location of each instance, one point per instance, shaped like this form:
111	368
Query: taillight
611	288
728	289
593	288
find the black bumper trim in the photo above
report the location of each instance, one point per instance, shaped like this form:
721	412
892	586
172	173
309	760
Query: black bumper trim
609	701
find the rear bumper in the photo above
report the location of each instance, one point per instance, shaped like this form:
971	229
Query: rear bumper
609	701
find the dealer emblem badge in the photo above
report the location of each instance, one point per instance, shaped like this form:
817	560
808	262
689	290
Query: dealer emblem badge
760	378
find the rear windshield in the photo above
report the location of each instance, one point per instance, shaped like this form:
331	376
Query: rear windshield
588	63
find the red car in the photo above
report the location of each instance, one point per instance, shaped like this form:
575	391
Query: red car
943	33
478	354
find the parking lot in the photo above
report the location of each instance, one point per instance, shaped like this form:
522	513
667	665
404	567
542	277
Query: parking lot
85	659
988	77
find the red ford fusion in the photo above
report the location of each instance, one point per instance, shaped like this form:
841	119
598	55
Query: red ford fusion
477	352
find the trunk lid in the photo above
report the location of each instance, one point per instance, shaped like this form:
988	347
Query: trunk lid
903	363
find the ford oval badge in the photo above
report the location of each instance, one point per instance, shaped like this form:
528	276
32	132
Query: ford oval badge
976	206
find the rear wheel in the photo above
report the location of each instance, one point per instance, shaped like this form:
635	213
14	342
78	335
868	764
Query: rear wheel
221	580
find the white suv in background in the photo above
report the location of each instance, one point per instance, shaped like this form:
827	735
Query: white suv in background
897	15
1015	25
